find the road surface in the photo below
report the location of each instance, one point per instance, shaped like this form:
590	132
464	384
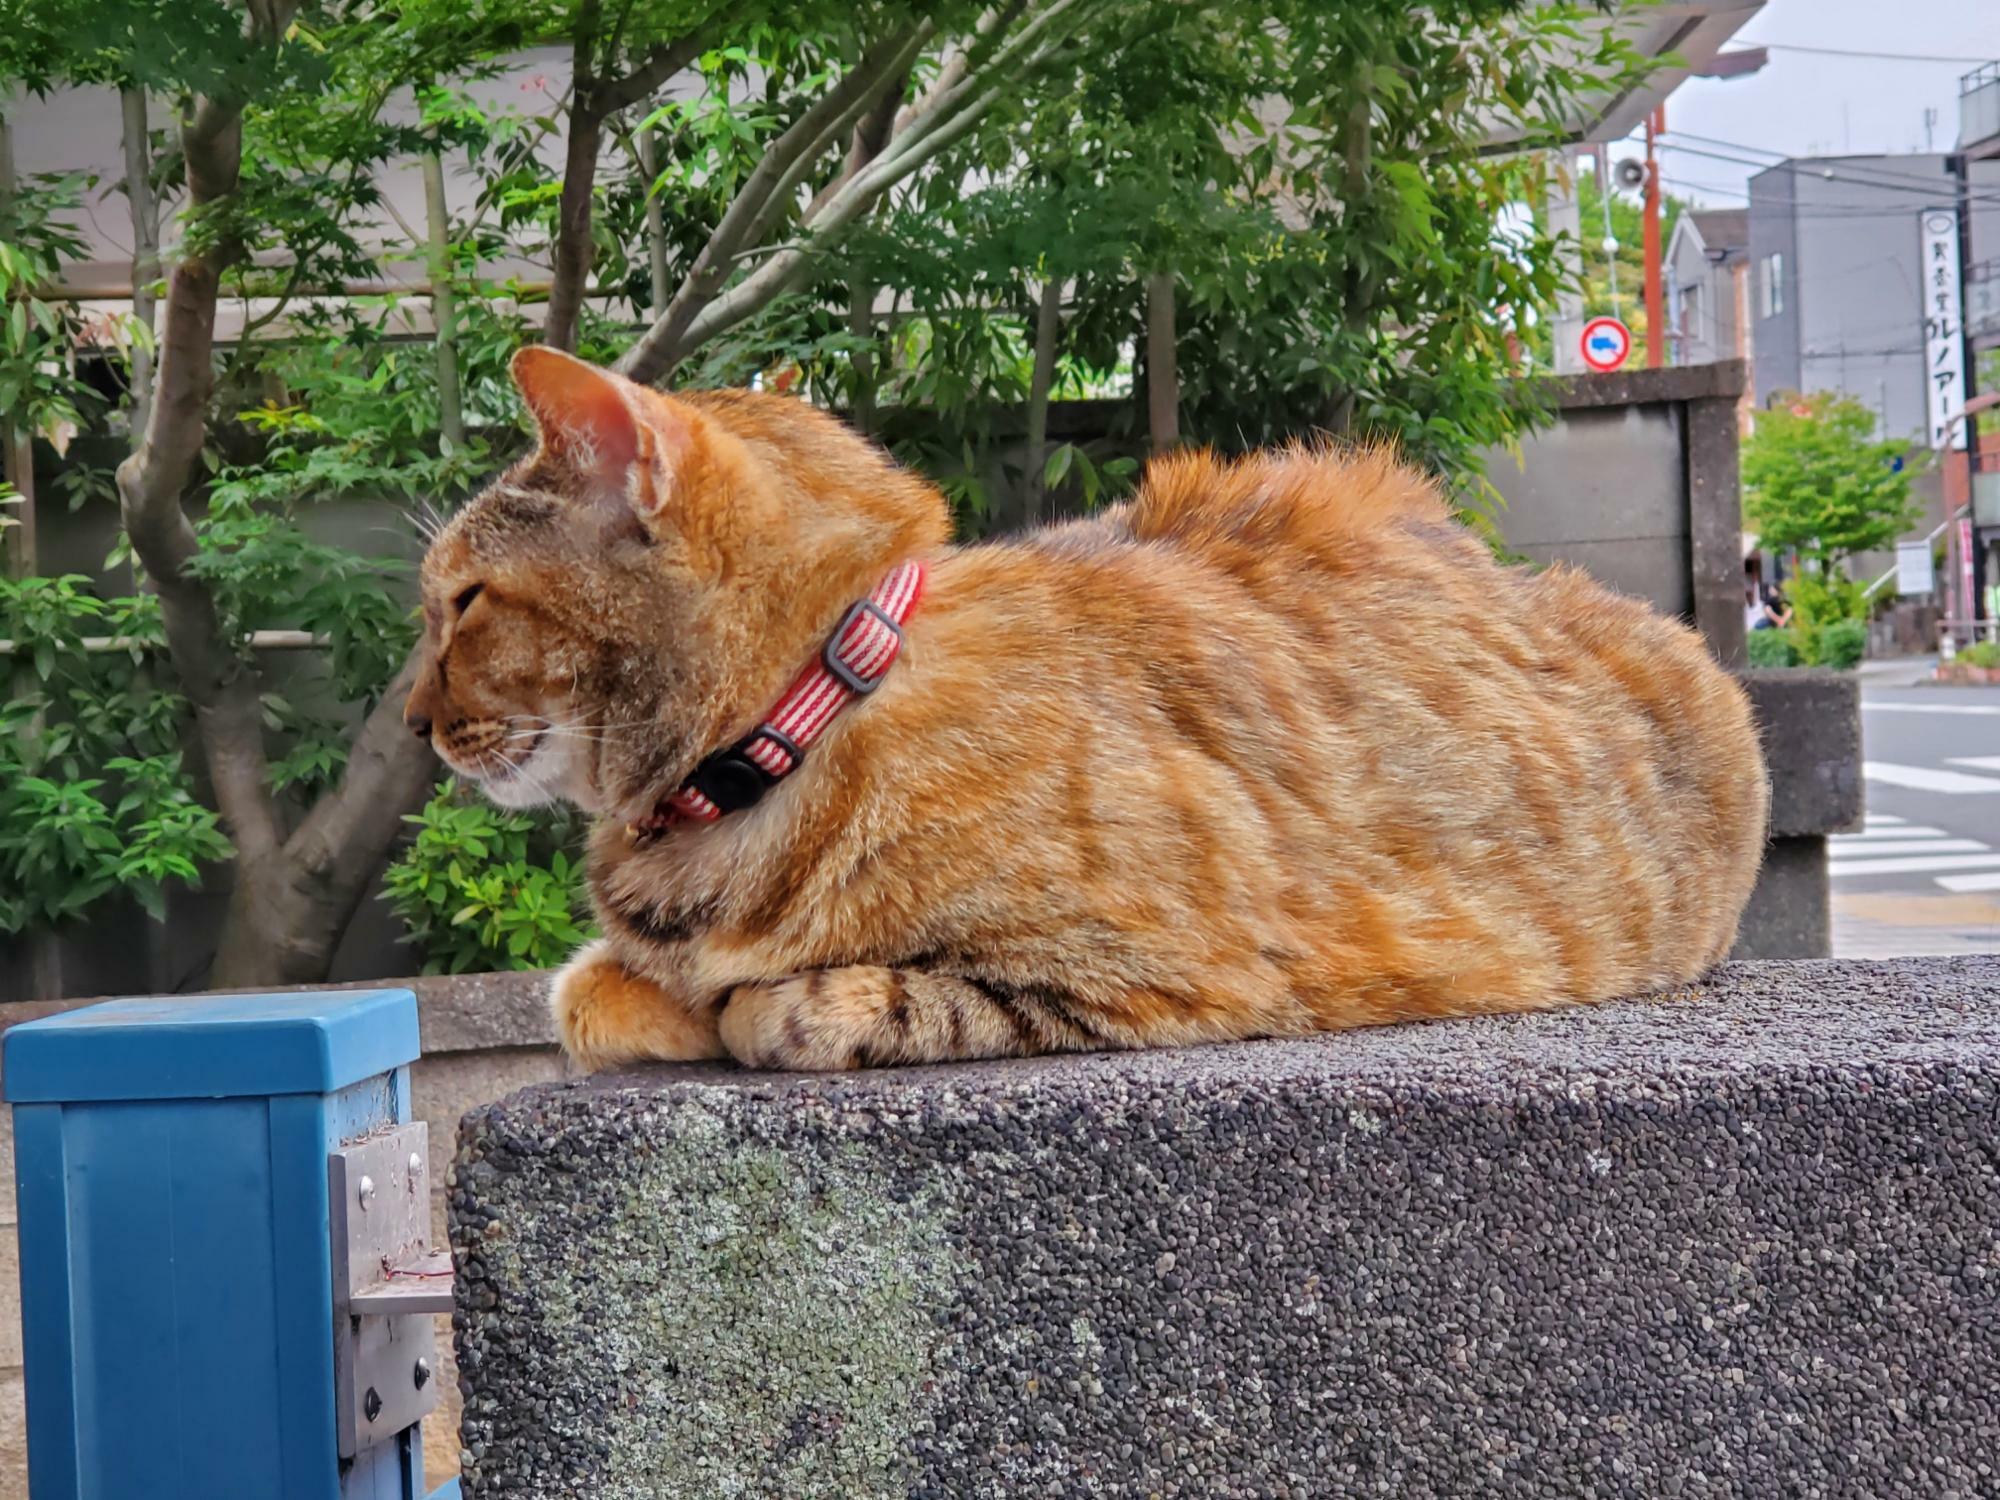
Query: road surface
1924	877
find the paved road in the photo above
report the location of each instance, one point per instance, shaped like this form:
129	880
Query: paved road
1925	875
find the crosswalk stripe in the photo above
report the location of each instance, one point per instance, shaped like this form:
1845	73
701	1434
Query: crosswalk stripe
1913	865
1963	884
1928	778
1881	820
1977	762
1931	708
1909	846
1899	831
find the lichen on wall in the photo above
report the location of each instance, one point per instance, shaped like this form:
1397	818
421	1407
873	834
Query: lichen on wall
735	1321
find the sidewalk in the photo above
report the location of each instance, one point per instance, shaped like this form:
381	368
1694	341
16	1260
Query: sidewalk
1908	924
1898	671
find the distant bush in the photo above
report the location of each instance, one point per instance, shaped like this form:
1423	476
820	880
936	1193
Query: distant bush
1840	644
1773	648
1980	654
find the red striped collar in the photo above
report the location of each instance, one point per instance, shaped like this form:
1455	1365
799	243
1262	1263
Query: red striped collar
852	664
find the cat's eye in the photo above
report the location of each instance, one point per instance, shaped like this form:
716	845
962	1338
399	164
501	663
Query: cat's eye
465	597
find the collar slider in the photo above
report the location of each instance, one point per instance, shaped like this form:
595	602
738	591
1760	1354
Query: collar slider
876	644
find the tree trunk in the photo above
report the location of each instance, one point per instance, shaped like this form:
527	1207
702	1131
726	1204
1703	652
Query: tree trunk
293	895
145	245
444	300
1048	324
290	906
1163	380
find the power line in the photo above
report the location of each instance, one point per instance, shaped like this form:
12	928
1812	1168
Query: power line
1943	194
1915	57
1801	213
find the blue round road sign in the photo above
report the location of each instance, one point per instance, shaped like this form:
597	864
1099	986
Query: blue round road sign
1606	344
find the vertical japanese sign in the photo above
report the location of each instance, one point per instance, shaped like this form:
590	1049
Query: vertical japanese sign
1944	326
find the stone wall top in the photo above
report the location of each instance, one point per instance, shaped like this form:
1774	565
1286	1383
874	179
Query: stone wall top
1738	1239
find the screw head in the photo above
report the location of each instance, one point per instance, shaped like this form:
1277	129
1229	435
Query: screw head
367	1191
371	1404
423	1373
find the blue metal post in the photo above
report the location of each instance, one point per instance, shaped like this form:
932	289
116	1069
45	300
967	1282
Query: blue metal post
176	1270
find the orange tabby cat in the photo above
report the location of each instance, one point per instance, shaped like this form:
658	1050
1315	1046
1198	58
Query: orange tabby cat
1274	748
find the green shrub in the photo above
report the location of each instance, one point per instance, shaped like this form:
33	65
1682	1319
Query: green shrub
1773	648
1840	644
480	888
94	797
1980	654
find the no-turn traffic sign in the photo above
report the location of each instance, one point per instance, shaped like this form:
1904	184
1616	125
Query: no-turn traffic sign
1606	343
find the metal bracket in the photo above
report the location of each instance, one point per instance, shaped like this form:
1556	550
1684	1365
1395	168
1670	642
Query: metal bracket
387	1285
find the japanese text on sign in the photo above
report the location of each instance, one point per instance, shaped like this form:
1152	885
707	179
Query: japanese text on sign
1944	327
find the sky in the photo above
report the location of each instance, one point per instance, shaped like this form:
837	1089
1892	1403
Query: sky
1805	104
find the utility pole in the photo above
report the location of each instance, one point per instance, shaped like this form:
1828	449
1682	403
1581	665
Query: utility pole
1969	568
1656	321
1563	220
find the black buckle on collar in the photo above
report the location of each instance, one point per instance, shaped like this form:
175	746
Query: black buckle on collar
732	780
852	680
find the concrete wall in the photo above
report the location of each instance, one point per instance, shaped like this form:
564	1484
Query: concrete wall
1604	490
1738	1240
1636	483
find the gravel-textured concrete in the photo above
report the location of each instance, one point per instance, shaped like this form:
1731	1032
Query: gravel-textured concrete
1738	1241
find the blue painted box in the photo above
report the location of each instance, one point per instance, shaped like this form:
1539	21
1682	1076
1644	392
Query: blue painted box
176	1271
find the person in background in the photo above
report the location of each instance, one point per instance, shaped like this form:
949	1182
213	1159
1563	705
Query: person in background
1764	607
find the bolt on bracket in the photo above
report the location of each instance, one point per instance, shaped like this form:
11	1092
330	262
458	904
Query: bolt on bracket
387	1285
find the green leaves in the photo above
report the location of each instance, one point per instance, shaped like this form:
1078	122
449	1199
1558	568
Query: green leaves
479	888
1816	480
94	798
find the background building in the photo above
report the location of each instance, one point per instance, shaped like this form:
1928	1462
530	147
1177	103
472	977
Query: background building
1834	284
1708	292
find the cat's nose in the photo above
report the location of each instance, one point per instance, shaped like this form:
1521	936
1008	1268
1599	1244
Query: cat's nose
417	708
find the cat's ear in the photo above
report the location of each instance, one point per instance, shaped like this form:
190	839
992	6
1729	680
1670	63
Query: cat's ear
619	439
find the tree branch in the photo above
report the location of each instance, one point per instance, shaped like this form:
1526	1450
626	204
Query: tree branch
871	134
661	63
701	310
388	771
145	242
570	264
960	61
784	271
783	164
885	95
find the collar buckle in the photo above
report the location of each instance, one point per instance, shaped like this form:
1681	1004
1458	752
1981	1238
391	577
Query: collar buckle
738	777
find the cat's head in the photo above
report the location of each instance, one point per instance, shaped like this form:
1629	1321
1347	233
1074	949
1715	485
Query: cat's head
640	588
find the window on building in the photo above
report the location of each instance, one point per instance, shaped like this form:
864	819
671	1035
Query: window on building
1771	286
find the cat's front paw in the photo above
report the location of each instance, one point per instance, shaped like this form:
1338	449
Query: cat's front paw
607	1016
814	1022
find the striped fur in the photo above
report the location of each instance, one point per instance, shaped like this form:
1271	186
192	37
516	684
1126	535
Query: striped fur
1275	747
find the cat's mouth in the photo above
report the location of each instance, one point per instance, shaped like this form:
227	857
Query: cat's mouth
506	767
